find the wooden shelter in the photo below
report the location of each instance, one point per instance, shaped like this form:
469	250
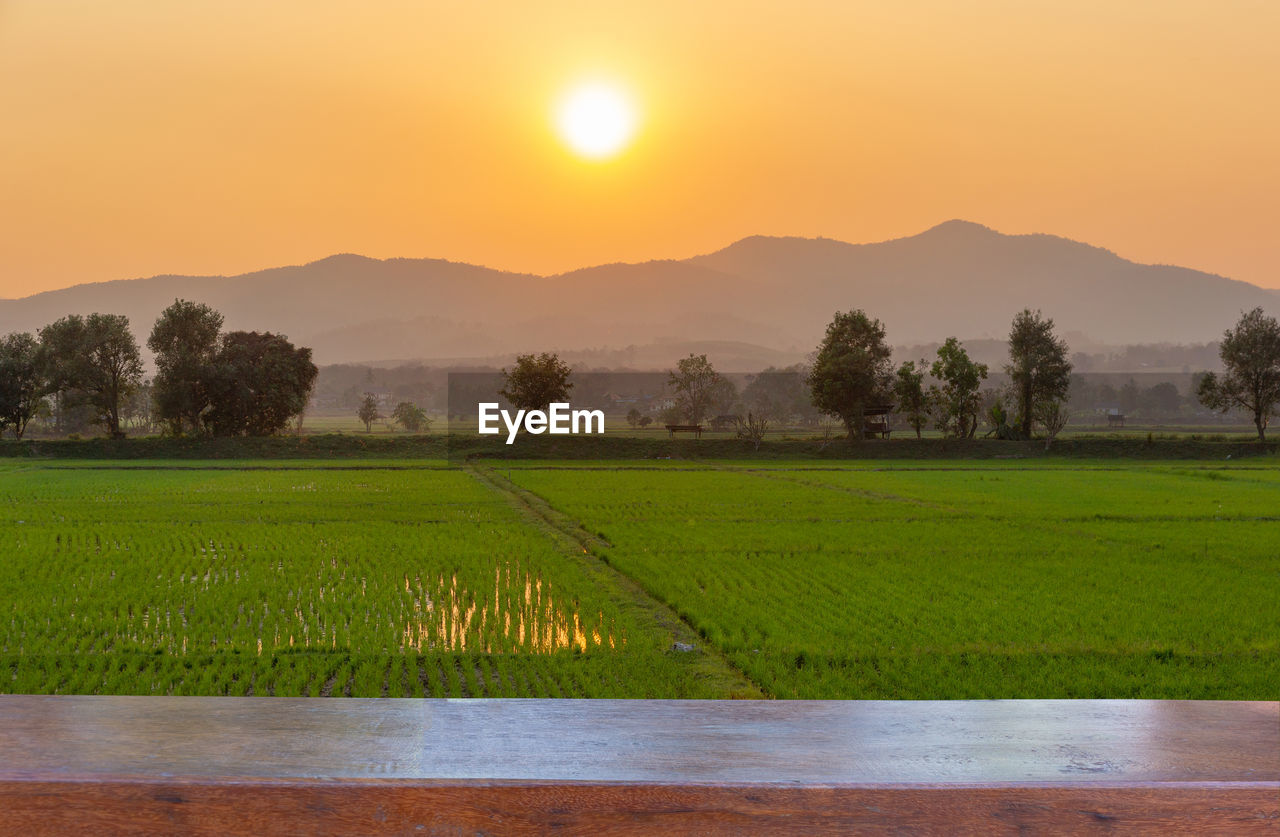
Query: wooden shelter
875	421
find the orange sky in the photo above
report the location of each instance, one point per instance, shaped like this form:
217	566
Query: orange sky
221	136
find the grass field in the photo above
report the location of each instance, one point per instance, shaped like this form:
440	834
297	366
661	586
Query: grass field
864	579
958	583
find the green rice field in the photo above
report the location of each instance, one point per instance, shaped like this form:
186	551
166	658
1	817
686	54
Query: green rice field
1029	578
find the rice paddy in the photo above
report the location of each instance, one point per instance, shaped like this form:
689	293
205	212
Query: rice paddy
911	579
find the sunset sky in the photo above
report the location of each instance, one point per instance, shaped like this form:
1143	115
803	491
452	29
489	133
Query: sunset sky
140	137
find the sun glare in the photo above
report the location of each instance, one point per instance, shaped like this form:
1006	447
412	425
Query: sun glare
597	120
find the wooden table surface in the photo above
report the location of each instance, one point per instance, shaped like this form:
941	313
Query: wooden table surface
585	766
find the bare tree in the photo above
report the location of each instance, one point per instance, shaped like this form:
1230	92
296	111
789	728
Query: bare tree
752	429
827	434
1054	416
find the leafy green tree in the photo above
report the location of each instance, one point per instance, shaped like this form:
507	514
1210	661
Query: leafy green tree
96	357
113	369
61	345
1250	355
60	352
22	381
535	382
258	382
368	412
851	370
1038	367
699	389
633	417
411	417
908	389
779	395
185	340
959	400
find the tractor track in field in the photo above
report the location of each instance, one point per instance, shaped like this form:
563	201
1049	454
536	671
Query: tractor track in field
583	547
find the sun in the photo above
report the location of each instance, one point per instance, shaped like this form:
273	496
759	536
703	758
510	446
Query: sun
596	119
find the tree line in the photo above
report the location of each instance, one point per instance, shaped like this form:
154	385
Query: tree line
207	382
249	383
851	372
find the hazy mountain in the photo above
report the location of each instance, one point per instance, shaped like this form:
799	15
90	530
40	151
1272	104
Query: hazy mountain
966	280
773	295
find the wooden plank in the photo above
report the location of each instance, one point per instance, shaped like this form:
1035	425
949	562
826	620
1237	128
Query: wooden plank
250	765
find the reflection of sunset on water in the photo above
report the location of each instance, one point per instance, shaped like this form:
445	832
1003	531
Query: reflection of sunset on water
521	614
539	624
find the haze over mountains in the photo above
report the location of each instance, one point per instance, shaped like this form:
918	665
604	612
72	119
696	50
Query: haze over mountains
757	302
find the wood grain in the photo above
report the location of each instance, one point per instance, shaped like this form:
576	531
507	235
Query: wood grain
255	765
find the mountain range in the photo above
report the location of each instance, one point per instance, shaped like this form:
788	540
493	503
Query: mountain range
762	300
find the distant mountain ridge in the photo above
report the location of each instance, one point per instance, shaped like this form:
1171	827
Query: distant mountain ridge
773	294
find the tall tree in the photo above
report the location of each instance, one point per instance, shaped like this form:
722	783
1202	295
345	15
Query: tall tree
1038	367
368	412
537	381
22	381
1250	353
61	345
98	357
908	389
699	389
114	367
959	400
185	340
258	382
851	370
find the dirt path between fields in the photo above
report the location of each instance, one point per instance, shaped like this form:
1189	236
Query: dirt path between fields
585	549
